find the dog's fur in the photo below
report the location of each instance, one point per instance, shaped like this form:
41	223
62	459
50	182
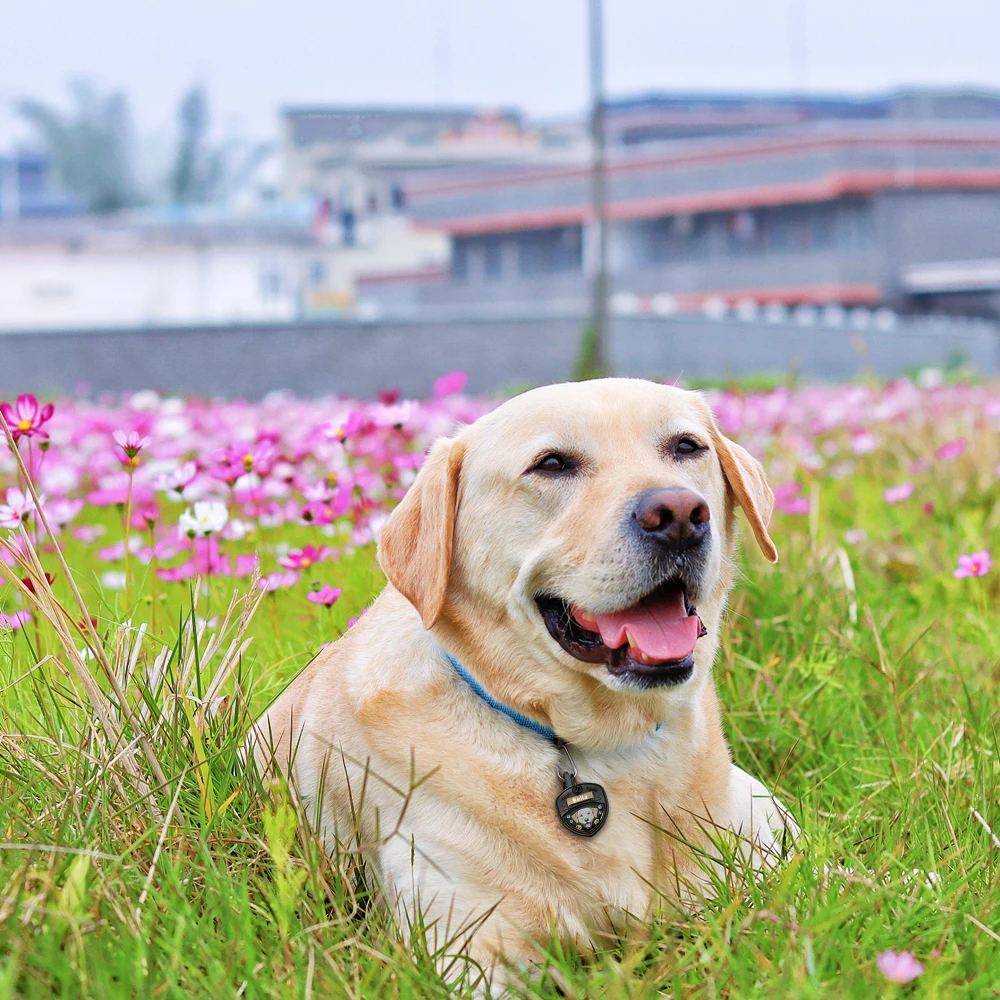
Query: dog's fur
474	541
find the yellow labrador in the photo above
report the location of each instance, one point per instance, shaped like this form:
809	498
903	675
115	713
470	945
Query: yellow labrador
540	668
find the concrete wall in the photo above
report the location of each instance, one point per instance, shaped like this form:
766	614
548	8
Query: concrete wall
359	359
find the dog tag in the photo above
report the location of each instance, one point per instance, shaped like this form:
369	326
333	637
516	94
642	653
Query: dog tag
583	808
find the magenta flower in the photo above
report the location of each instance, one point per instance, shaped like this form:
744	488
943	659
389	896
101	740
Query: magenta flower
88	533
950	451
788	501
896	494
25	418
278	581
353	621
129	445
899	966
448	385
15	620
326	595
241	458
305	557
974	564
62	510
347	427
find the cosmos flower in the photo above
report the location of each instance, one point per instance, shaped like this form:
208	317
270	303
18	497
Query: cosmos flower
203	518
15	620
897	494
326	595
899	966
18	508
305	557
129	445
25	417
950	451
974	564
278	581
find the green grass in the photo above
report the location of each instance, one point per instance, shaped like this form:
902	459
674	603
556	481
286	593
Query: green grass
873	712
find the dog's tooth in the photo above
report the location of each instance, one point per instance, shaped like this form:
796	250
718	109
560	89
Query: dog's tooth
629	639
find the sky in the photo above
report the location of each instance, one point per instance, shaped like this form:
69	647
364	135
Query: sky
255	57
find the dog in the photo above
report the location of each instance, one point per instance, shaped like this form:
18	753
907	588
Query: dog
557	577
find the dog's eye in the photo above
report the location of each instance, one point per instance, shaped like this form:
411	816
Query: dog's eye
687	446
555	463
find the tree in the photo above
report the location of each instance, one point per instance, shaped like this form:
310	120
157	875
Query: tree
91	145
193	115
201	172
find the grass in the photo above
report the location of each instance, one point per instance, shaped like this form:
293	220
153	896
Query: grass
859	681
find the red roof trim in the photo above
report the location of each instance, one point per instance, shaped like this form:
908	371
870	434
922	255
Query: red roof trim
391	277
755	149
835	184
789	295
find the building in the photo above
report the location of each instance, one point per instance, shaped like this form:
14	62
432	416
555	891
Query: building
356	157
181	267
28	191
723	203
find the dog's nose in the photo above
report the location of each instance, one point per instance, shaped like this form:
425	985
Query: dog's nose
674	516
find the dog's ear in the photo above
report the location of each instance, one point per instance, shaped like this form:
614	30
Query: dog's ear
745	476
414	548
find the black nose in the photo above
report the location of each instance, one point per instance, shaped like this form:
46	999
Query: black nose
674	516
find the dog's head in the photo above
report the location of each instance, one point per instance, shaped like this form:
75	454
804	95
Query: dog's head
587	526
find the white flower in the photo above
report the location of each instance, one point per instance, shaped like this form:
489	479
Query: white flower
237	530
203	518
113	579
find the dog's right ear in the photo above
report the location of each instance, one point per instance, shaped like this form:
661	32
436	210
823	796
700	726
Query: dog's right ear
414	548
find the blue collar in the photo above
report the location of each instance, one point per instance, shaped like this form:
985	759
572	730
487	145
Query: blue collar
512	713
499	706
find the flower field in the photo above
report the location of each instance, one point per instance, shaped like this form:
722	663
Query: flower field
169	564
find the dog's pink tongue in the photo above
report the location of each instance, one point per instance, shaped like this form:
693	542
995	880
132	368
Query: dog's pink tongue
662	630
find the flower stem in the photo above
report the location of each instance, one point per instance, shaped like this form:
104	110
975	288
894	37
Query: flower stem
128	529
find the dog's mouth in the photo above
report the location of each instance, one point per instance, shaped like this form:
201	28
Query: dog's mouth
650	644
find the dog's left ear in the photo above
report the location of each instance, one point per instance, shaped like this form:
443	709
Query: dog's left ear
414	547
745	476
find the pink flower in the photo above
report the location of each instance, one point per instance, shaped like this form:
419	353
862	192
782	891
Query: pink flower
88	533
24	418
278	581
896	494
899	966
348	427
975	564
448	385
241	458
304	558
854	536
326	595
17	509
63	510
354	621
863	444
129	445
787	499
950	451
16	619
174	483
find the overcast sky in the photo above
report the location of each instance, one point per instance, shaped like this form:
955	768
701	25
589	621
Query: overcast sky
254	57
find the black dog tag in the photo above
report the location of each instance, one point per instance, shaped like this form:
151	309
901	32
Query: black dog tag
583	808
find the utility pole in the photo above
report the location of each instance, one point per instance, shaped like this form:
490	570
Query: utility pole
593	359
